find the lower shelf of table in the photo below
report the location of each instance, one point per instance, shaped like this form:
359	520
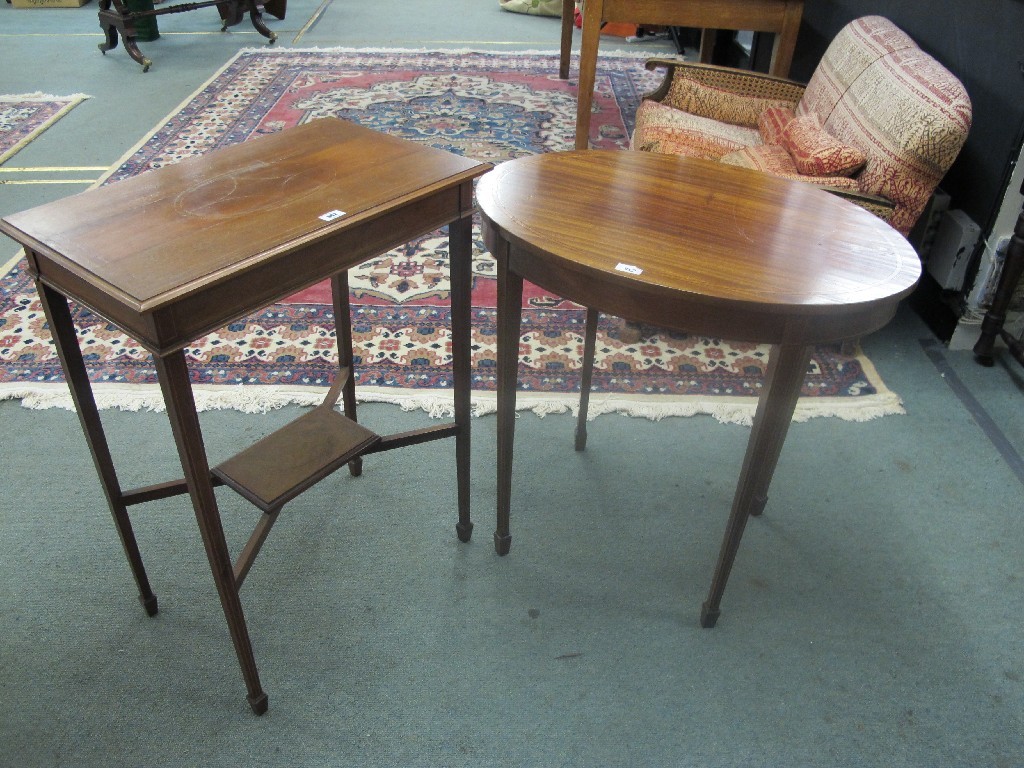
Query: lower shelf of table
284	464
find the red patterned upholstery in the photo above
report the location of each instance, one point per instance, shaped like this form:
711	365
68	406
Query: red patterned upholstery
858	45
675	132
875	94
773	122
774	159
817	152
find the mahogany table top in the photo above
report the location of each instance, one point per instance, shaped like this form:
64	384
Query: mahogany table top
725	247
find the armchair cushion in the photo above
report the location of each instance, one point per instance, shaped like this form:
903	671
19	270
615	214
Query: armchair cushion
675	132
717	103
773	122
774	159
816	152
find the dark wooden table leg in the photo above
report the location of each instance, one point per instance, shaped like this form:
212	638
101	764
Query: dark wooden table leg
343	335
172	371
510	310
787	369
589	343
589	44
109	26
565	48
460	265
62	328
120	20
258	24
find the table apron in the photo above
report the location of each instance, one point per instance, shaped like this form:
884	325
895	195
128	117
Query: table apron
756	15
696	314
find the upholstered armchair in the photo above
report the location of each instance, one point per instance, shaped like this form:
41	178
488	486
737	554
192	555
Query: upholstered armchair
879	122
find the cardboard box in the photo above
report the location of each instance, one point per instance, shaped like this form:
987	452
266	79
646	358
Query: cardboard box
49	3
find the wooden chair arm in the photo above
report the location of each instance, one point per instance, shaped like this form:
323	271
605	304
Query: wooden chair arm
742	82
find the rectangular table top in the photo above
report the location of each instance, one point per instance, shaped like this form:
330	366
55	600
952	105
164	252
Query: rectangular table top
233	221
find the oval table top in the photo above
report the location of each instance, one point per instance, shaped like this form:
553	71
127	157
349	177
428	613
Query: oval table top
697	245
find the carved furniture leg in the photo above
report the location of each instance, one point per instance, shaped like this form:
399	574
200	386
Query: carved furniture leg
257	21
510	310
787	369
108	25
58	315
172	372
117	21
133	50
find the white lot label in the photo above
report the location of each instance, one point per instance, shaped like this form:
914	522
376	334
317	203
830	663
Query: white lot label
332	215
629	268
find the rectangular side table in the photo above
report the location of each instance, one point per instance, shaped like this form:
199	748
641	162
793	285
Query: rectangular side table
175	253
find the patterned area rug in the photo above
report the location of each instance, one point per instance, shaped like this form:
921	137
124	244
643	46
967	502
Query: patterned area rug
489	106
24	117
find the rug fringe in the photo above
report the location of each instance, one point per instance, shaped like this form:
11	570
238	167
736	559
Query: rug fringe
440	404
643	55
40	96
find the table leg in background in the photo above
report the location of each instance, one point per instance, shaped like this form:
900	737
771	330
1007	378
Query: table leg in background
785	40
568	11
588	70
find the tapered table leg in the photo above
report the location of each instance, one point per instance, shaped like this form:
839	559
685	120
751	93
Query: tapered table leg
172	372
565	44
460	246
62	328
343	335
510	309
787	369
589	343
592	18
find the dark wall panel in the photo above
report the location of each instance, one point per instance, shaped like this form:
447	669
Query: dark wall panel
979	41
